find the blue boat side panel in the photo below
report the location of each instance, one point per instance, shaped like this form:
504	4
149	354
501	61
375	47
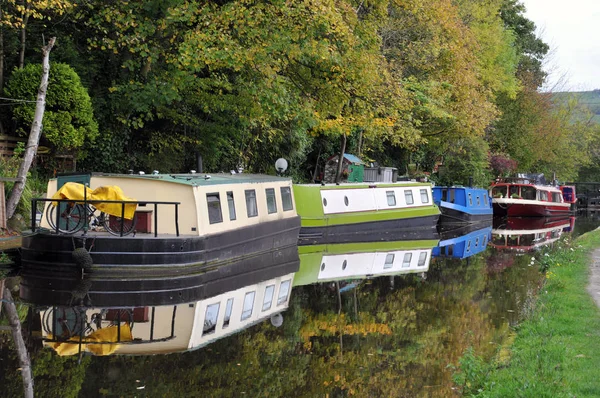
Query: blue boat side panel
463	204
464	246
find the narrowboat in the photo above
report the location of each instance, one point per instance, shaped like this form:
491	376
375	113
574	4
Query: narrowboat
360	260
525	234
569	195
463	242
523	197
182	222
159	314
463	204
365	212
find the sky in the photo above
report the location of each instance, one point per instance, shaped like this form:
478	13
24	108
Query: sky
572	30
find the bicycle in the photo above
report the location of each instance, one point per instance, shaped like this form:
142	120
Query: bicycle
72	219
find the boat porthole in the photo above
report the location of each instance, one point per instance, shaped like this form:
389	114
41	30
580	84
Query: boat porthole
324	202
346	200
322	266
344	264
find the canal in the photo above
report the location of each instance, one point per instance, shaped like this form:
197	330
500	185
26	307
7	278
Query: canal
345	331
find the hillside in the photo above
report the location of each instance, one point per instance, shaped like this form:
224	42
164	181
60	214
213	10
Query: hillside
589	100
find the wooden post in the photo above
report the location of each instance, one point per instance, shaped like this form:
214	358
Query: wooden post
2	207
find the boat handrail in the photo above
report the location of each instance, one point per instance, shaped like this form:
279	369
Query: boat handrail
85	202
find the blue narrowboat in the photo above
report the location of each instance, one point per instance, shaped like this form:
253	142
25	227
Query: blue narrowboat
463	204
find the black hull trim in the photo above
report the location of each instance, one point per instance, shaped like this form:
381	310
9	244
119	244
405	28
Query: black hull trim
454	216
146	253
54	288
418	228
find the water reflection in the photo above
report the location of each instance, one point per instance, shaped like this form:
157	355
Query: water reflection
368	319
528	234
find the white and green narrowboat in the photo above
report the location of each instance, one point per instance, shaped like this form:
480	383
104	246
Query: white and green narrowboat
365	212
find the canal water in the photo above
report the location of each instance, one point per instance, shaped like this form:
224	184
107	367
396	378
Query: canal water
398	335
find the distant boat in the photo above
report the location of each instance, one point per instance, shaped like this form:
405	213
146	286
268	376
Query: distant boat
463	204
525	197
365	212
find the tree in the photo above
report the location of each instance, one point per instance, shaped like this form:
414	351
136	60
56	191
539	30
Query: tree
34	135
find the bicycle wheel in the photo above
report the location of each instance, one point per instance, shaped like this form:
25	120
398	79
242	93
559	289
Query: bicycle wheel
113	224
70	218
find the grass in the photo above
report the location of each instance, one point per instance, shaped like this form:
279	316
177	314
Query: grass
556	352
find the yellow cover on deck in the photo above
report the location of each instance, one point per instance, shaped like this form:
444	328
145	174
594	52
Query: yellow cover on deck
74	191
106	335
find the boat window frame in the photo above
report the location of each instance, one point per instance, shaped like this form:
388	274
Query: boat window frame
556	195
408	194
270	193
228	311
287	203
216	206
543	195
470	199
267	305
422	259
528	192
288	286
245	314
231	206
391	195
213	328
497	191
424	192
389	260
405	261
251	195
478	200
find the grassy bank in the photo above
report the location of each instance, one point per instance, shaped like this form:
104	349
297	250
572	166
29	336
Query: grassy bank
556	352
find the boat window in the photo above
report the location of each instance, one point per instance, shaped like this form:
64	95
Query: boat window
468	245
485	199
251	208
470	200
452	194
444	195
284	291
231	205
514	190
407	258
269	291
271	202
391	198
422	259
210	319
528	193
499	192
344	264
424	196
450	250
286	199
409	198
214	208
478	201
543	195
484	240
248	305
389	261
476	242
556	197
228	309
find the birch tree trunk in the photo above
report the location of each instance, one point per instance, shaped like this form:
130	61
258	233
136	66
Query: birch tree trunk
22	354
34	135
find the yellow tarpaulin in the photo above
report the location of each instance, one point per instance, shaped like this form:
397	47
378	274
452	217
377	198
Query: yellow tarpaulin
74	191
107	335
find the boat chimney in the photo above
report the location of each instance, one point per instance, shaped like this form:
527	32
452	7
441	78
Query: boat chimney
471	182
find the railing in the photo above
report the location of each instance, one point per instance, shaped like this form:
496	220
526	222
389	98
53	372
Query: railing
87	215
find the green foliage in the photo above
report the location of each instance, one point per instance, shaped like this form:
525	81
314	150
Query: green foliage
471	373
68	117
465	160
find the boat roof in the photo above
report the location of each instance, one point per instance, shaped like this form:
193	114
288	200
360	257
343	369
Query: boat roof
200	179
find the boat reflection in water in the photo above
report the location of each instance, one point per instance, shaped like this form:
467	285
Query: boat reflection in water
159	315
343	262
528	234
464	241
